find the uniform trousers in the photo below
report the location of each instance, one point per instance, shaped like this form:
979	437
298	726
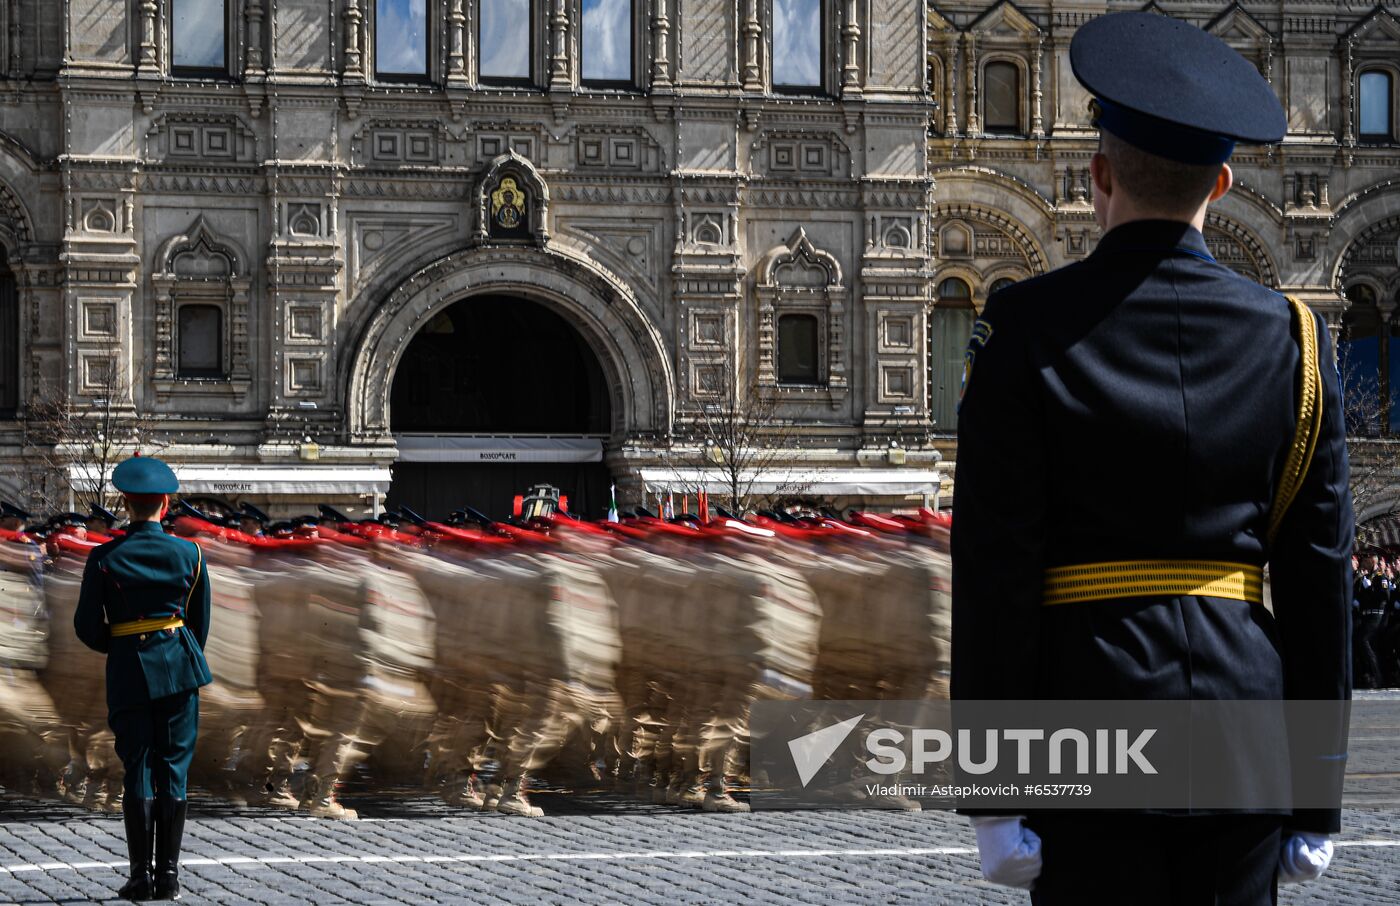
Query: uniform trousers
155	742
1116	859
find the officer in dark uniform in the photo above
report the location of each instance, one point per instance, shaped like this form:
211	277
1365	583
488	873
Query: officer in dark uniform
1147	415
145	604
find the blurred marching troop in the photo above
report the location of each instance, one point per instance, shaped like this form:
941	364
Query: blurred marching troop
474	657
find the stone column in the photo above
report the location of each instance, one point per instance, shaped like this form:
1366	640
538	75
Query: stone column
753	34
850	33
148	63
354	54
974	119
1348	117
660	46
559	75
253	58
1037	118
456	42
950	78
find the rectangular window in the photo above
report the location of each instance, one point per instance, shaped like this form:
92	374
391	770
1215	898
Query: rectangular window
607	42
199	37
1376	103
797	350
1001	98
799	53
505	41
401	39
201	342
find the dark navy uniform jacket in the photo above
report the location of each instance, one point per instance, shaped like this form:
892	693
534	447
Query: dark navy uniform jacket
1140	405
144	575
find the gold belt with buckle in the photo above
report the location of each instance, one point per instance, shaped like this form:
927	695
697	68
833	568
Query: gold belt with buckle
137	627
1153	578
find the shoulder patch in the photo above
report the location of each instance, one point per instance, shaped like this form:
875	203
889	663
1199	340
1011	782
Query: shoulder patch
981	335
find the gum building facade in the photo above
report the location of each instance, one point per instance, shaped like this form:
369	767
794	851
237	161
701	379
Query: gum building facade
433	251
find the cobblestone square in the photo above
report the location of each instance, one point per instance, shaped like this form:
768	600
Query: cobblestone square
592	849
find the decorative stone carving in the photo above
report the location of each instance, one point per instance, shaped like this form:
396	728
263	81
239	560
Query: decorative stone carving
202	267
512	202
397	143
201	137
1239	249
613	148
796	154
797	277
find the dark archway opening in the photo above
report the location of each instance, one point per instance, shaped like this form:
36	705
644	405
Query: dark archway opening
484	376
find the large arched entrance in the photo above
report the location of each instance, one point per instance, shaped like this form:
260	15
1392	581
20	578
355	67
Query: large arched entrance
494	394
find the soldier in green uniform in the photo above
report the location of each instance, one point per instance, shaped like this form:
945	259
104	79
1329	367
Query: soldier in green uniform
145	604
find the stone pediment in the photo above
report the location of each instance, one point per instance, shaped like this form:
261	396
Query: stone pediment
1005	20
1236	25
1380	27
799	264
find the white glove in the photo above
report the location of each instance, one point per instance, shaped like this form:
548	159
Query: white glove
1009	850
1303	857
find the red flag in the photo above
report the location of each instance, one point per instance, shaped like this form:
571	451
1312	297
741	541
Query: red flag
704	504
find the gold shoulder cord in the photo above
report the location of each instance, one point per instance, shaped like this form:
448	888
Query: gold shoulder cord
1309	425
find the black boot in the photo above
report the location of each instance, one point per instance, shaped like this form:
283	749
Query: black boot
170	829
138	815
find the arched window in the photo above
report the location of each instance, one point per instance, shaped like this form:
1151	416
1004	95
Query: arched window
1377	106
799	51
199	37
999	284
200	341
954	293
401	40
1001	98
9	341
505	41
607	42
798	350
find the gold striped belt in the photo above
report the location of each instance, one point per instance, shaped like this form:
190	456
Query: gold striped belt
1144	578
137	627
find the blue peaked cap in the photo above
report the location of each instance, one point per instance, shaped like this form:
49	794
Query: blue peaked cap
1173	90
144	475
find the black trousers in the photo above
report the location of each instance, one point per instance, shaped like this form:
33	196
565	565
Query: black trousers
1116	859
1367	638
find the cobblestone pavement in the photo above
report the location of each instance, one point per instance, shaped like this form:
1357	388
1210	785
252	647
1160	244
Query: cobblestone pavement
593	849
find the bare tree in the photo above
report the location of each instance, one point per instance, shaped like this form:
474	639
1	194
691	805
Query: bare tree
1374	457
77	443
739	442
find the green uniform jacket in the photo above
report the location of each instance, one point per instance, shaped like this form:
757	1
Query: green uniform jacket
143	575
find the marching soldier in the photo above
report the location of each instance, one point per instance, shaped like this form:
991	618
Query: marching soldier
1132	433
145	604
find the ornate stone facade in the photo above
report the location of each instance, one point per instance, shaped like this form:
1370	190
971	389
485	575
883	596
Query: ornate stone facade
311	215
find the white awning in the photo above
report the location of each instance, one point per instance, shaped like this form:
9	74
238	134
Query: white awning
477	448
820	482
309	480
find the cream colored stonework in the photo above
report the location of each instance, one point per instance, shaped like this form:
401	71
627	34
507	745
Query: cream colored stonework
330	215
